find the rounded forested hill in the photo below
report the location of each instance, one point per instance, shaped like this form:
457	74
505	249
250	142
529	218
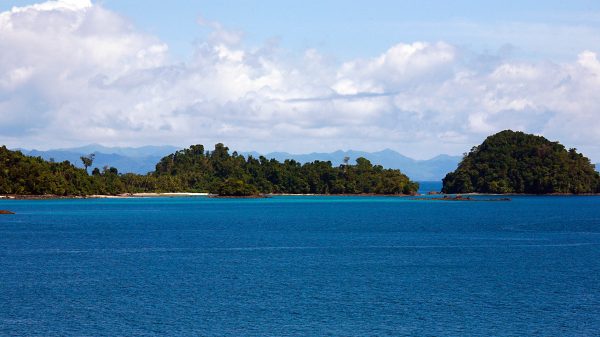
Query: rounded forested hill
516	162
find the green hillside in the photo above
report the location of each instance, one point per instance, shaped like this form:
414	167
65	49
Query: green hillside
218	170
515	162
197	170
20	174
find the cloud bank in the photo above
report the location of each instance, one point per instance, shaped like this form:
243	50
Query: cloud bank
73	72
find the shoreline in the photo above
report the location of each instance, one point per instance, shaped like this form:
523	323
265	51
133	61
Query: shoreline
522	194
102	196
265	195
188	194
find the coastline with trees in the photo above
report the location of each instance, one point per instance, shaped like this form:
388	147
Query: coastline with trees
505	163
195	170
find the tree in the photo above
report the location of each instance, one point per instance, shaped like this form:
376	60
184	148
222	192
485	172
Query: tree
346	160
88	160
234	187
516	162
194	170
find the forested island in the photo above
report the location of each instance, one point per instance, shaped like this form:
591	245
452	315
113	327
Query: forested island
507	162
516	162
197	170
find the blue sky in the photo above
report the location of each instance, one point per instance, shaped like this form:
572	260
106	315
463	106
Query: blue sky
422	78
361	28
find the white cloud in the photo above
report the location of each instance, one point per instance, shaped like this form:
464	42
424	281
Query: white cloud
15	77
69	5
79	73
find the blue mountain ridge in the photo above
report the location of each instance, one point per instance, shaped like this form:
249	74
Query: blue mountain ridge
422	170
127	159
138	152
142	160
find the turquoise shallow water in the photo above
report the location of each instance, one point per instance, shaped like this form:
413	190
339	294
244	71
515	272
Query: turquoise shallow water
305	266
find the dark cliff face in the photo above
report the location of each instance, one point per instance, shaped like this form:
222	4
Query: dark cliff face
516	162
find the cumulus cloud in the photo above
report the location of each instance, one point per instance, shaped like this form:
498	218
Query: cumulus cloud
78	73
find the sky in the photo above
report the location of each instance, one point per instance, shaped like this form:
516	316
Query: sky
419	77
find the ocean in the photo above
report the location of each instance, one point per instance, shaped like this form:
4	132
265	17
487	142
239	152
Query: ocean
300	266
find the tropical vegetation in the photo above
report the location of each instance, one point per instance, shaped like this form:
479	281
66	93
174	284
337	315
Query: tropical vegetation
516	162
197	170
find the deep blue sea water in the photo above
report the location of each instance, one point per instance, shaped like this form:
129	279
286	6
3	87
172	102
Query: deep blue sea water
301	266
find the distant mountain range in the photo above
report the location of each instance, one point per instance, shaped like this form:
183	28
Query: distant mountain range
421	170
126	159
143	159
136	152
